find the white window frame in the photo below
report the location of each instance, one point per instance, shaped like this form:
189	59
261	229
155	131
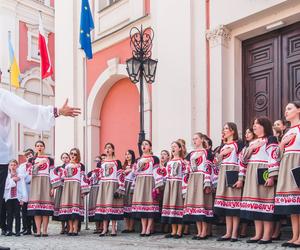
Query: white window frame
30	56
108	4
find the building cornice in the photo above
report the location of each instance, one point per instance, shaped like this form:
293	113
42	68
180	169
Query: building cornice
218	36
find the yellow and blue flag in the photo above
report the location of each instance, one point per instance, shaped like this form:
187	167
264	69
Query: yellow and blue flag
14	67
86	25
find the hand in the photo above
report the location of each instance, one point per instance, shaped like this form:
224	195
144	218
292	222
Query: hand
225	151
286	139
238	184
21	203
15	179
269	182
257	144
51	192
66	110
207	190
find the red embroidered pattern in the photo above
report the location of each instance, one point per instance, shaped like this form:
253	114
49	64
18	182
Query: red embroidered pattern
172	213
73	210
35	206
227	204
13	192
257	207
146	209
109	210
198	211
285	200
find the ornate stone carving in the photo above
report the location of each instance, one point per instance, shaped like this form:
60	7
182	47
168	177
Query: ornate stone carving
218	36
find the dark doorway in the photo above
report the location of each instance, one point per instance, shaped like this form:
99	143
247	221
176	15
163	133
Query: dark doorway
271	73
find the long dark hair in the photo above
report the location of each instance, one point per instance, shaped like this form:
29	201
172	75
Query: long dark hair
131	152
232	126
41	142
112	146
266	124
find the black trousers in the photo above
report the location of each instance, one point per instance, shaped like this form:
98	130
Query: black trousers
3	175
13	210
27	221
3	225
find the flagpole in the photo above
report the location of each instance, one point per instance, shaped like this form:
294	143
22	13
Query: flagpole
9	70
41	81
85	138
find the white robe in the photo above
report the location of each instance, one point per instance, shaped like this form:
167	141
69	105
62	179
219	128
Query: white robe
36	117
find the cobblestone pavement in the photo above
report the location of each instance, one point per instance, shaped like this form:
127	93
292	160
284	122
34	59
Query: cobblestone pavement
87	240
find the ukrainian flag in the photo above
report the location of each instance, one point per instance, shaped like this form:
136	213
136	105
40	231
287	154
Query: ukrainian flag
14	67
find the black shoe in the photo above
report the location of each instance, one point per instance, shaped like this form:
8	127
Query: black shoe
142	235
37	235
195	237
223	239
4	248
18	234
149	234
177	236
102	234
286	244
293	245
168	236
3	232
27	233
203	238
9	234
263	242
45	235
23	231
75	234
252	241
233	239
278	237
70	234
113	235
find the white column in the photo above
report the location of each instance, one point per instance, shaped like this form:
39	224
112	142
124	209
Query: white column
172	90
67	82
219	91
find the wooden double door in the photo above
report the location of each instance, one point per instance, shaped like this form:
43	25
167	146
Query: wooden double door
271	73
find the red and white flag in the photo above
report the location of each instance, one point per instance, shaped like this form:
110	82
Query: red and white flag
46	66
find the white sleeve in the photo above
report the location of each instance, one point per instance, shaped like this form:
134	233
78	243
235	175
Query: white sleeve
10	183
36	117
22	190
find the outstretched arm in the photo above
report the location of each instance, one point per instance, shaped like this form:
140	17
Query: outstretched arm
33	116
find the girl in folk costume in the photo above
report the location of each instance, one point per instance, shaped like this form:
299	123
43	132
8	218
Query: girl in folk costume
249	137
198	202
258	169
109	204
94	177
40	204
75	186
172	208
129	176
164	158
183	144
148	178
65	158
228	197
287	191
15	194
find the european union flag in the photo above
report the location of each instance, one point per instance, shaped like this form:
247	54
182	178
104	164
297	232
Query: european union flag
86	25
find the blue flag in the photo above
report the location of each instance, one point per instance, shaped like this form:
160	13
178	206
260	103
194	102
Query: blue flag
86	25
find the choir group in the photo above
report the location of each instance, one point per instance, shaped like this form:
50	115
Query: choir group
255	181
